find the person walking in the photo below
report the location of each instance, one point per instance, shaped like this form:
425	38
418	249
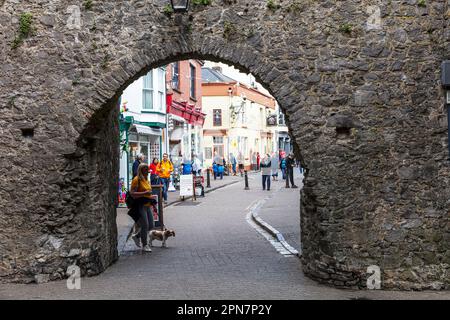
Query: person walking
266	168
258	161
154	178
254	161
240	161
141	191
164	169
274	166
139	159
218	160
196	166
233	163
290	165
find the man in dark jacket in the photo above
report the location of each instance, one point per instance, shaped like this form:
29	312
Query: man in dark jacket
137	162
290	165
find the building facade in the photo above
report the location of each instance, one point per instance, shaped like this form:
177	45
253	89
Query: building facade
184	109
236	121
143	121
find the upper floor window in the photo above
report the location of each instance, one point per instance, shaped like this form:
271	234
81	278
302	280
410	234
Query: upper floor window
147	92
281	120
217	117
176	75
192	91
161	86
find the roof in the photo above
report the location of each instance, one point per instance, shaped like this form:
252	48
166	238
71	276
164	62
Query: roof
213	76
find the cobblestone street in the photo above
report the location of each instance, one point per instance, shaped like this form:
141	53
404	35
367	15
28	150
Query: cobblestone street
216	254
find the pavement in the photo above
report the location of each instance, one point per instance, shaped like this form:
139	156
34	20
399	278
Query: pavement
216	255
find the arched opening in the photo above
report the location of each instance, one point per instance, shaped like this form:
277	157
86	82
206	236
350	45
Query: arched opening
100	142
212	110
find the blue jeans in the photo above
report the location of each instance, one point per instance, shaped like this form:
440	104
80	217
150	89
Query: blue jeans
234	168
165	183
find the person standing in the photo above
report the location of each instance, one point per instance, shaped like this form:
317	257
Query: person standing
141	191
258	161
218	160
254	161
233	163
283	167
154	178
266	168
240	161
164	169
139	159
290	165
196	166
274	166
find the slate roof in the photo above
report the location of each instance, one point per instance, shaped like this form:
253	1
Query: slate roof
213	76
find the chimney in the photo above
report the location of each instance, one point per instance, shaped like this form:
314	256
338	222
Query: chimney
217	68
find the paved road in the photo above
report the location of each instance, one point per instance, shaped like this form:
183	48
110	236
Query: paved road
216	254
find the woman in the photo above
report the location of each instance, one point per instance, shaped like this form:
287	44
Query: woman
274	166
141	191
266	171
154	178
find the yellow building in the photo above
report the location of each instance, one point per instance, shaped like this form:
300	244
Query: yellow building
237	118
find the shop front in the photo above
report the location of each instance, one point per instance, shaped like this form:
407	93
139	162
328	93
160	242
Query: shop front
137	138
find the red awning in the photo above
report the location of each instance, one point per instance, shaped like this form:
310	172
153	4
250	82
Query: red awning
187	111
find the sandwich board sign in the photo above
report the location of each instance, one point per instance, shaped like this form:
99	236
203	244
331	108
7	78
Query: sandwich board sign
186	185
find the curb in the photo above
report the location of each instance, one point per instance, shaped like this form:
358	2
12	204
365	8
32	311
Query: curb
272	231
275	233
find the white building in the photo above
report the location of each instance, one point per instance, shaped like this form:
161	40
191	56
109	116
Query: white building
143	121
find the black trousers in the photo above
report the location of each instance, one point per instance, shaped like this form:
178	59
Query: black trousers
290	176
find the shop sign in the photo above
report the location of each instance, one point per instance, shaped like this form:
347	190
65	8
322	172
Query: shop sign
186	185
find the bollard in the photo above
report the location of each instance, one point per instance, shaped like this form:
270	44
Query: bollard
208	178
246	180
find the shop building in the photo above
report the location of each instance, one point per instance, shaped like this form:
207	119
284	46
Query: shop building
143	121
184	109
237	116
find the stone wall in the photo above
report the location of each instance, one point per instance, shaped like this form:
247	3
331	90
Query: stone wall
358	80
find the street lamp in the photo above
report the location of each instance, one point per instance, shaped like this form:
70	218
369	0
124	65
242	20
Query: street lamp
181	6
445	80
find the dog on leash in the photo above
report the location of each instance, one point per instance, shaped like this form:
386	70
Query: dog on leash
161	235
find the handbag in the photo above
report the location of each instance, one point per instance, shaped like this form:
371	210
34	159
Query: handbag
129	200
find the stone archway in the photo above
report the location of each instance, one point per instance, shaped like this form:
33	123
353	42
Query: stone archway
361	100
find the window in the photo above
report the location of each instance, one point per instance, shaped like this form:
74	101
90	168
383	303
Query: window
192	81
217	117
176	75
161	85
147	92
208	153
219	150
218	140
281	120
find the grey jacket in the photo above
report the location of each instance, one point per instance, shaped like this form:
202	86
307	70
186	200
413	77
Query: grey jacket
266	169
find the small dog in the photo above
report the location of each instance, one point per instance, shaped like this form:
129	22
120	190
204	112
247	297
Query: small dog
161	236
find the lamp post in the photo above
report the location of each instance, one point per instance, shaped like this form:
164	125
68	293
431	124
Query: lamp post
180	6
445	80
